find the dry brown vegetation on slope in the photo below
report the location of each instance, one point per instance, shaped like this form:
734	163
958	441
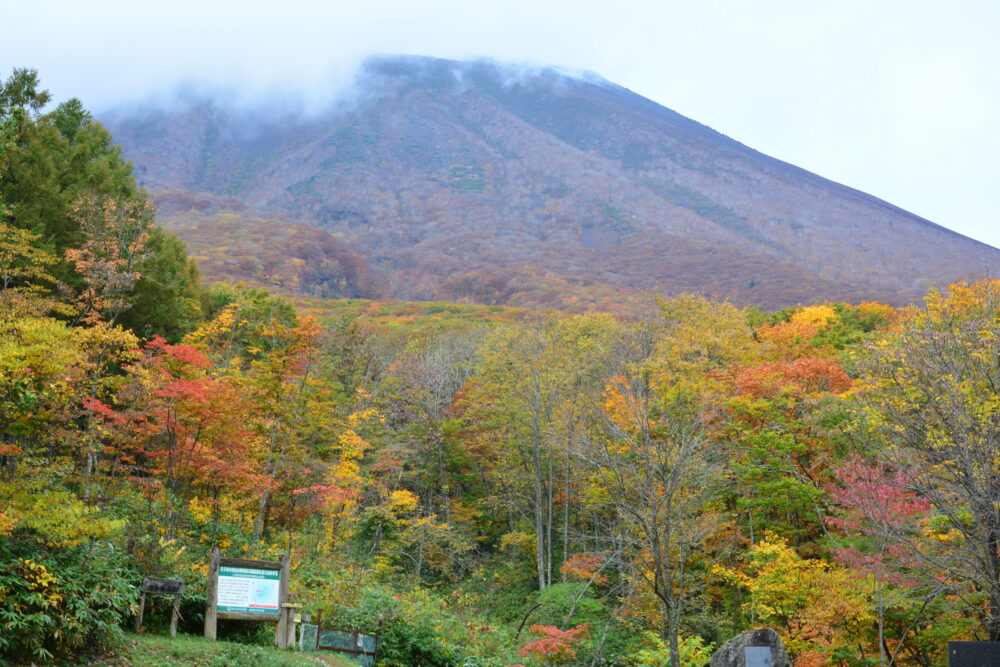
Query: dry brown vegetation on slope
442	174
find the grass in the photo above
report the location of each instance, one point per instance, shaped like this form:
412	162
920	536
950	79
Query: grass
191	651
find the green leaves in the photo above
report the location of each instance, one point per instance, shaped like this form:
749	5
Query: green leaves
62	604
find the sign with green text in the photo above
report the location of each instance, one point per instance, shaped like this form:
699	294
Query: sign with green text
248	590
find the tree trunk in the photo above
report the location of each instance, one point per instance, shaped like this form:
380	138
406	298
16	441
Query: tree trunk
539	520
566	505
258	526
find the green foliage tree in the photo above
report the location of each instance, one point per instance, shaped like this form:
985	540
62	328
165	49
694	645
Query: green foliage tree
51	164
166	299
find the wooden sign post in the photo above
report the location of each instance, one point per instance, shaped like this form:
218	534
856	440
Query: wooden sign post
248	590
157	586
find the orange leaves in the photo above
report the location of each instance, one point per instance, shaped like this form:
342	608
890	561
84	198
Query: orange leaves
114	241
329	494
791	338
619	404
962	300
556	645
197	427
584	566
795	379
795	336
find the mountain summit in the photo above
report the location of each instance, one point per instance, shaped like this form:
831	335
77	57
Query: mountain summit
476	180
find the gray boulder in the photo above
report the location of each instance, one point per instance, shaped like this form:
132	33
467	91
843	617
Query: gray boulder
766	650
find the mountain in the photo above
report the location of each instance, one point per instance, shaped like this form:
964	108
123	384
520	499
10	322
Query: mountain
478	181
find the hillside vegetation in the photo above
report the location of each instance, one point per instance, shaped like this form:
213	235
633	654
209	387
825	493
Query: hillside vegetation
477	181
481	485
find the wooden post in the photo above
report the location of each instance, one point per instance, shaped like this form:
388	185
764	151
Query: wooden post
212	595
290	637
158	586
281	633
174	614
142	608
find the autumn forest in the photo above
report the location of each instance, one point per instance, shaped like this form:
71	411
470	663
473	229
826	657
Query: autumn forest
479	484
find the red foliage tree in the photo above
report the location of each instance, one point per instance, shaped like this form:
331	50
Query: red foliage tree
196	429
556	645
879	505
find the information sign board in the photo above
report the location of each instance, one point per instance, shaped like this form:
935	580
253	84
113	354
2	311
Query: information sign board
245	589
249	590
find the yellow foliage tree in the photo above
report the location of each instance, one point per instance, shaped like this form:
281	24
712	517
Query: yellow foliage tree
813	604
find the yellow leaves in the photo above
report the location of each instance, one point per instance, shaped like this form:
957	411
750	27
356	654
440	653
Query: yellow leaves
962	299
402	501
41	344
702	337
950	536
819	316
345	474
382	564
40	580
593	489
352	445
808	599
518	539
940	529
37	502
209	333
107	345
619	405
361	417
21	262
7	522
201	511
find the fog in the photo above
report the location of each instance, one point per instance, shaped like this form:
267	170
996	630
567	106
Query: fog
895	97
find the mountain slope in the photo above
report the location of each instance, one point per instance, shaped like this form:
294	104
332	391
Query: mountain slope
442	174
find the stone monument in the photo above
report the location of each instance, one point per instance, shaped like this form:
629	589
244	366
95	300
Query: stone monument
754	648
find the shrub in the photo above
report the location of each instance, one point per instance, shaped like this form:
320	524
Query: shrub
59	603
409	630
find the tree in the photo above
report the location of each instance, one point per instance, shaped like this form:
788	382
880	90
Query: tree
810	601
556	646
883	512
780	462
166	298
932	396
196	429
108	259
20	102
654	466
63	180
533	381
24	273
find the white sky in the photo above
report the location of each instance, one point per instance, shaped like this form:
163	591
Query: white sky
899	98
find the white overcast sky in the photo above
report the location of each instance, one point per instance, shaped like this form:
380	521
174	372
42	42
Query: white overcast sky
899	98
